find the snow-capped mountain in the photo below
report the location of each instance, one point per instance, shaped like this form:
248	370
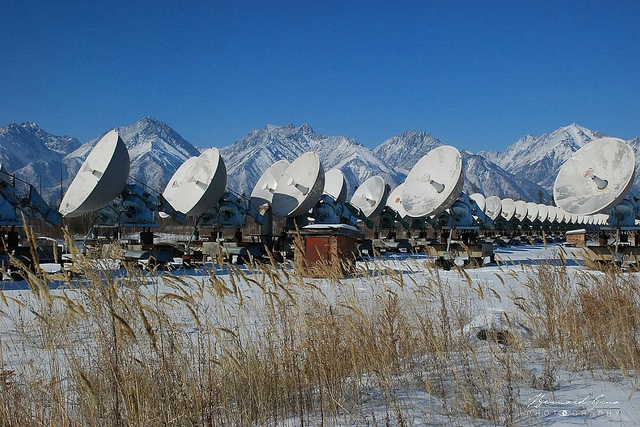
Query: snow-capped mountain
156	151
403	151
484	176
34	155
249	157
538	158
51	162
526	170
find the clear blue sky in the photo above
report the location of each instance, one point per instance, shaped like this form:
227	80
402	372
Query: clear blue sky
476	74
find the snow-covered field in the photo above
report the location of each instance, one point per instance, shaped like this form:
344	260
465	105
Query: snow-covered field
552	394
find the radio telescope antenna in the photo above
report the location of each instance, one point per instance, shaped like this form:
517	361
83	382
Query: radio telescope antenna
198	183
335	185
394	211
434	183
552	214
370	197
101	178
300	186
508	209
480	200
394	201
264	189
521	210
532	211
543	212
333	207
596	178
493	207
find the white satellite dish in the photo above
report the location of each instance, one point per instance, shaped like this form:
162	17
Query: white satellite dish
479	199
596	178
335	185
604	219
543	212
508	209
265	187
561	215
370	197
492	207
198	184
552	214
532	211
101	178
434	183
394	201
521	210
300	186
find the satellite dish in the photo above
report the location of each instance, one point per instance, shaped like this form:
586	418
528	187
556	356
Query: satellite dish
434	183
300	186
552	214
101	178
596	178
508	209
521	210
562	216
492	207
604	219
532	211
394	201
335	185
479	199
543	212
370	197
198	183
265	187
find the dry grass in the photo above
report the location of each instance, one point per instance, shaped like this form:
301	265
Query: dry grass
267	346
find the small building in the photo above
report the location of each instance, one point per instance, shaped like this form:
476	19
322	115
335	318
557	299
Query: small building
577	238
326	250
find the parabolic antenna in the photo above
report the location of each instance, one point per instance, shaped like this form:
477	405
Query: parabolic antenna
508	209
265	187
300	186
532	211
561	215
101	178
335	185
543	212
198	183
479	199
521	210
370	197
596	178
492	207
434	183
394	201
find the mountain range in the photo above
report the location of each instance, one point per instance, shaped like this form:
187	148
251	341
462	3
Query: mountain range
526	170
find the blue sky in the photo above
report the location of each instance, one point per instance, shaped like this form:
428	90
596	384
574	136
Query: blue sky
476	74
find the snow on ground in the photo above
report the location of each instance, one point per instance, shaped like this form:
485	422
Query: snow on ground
578	398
